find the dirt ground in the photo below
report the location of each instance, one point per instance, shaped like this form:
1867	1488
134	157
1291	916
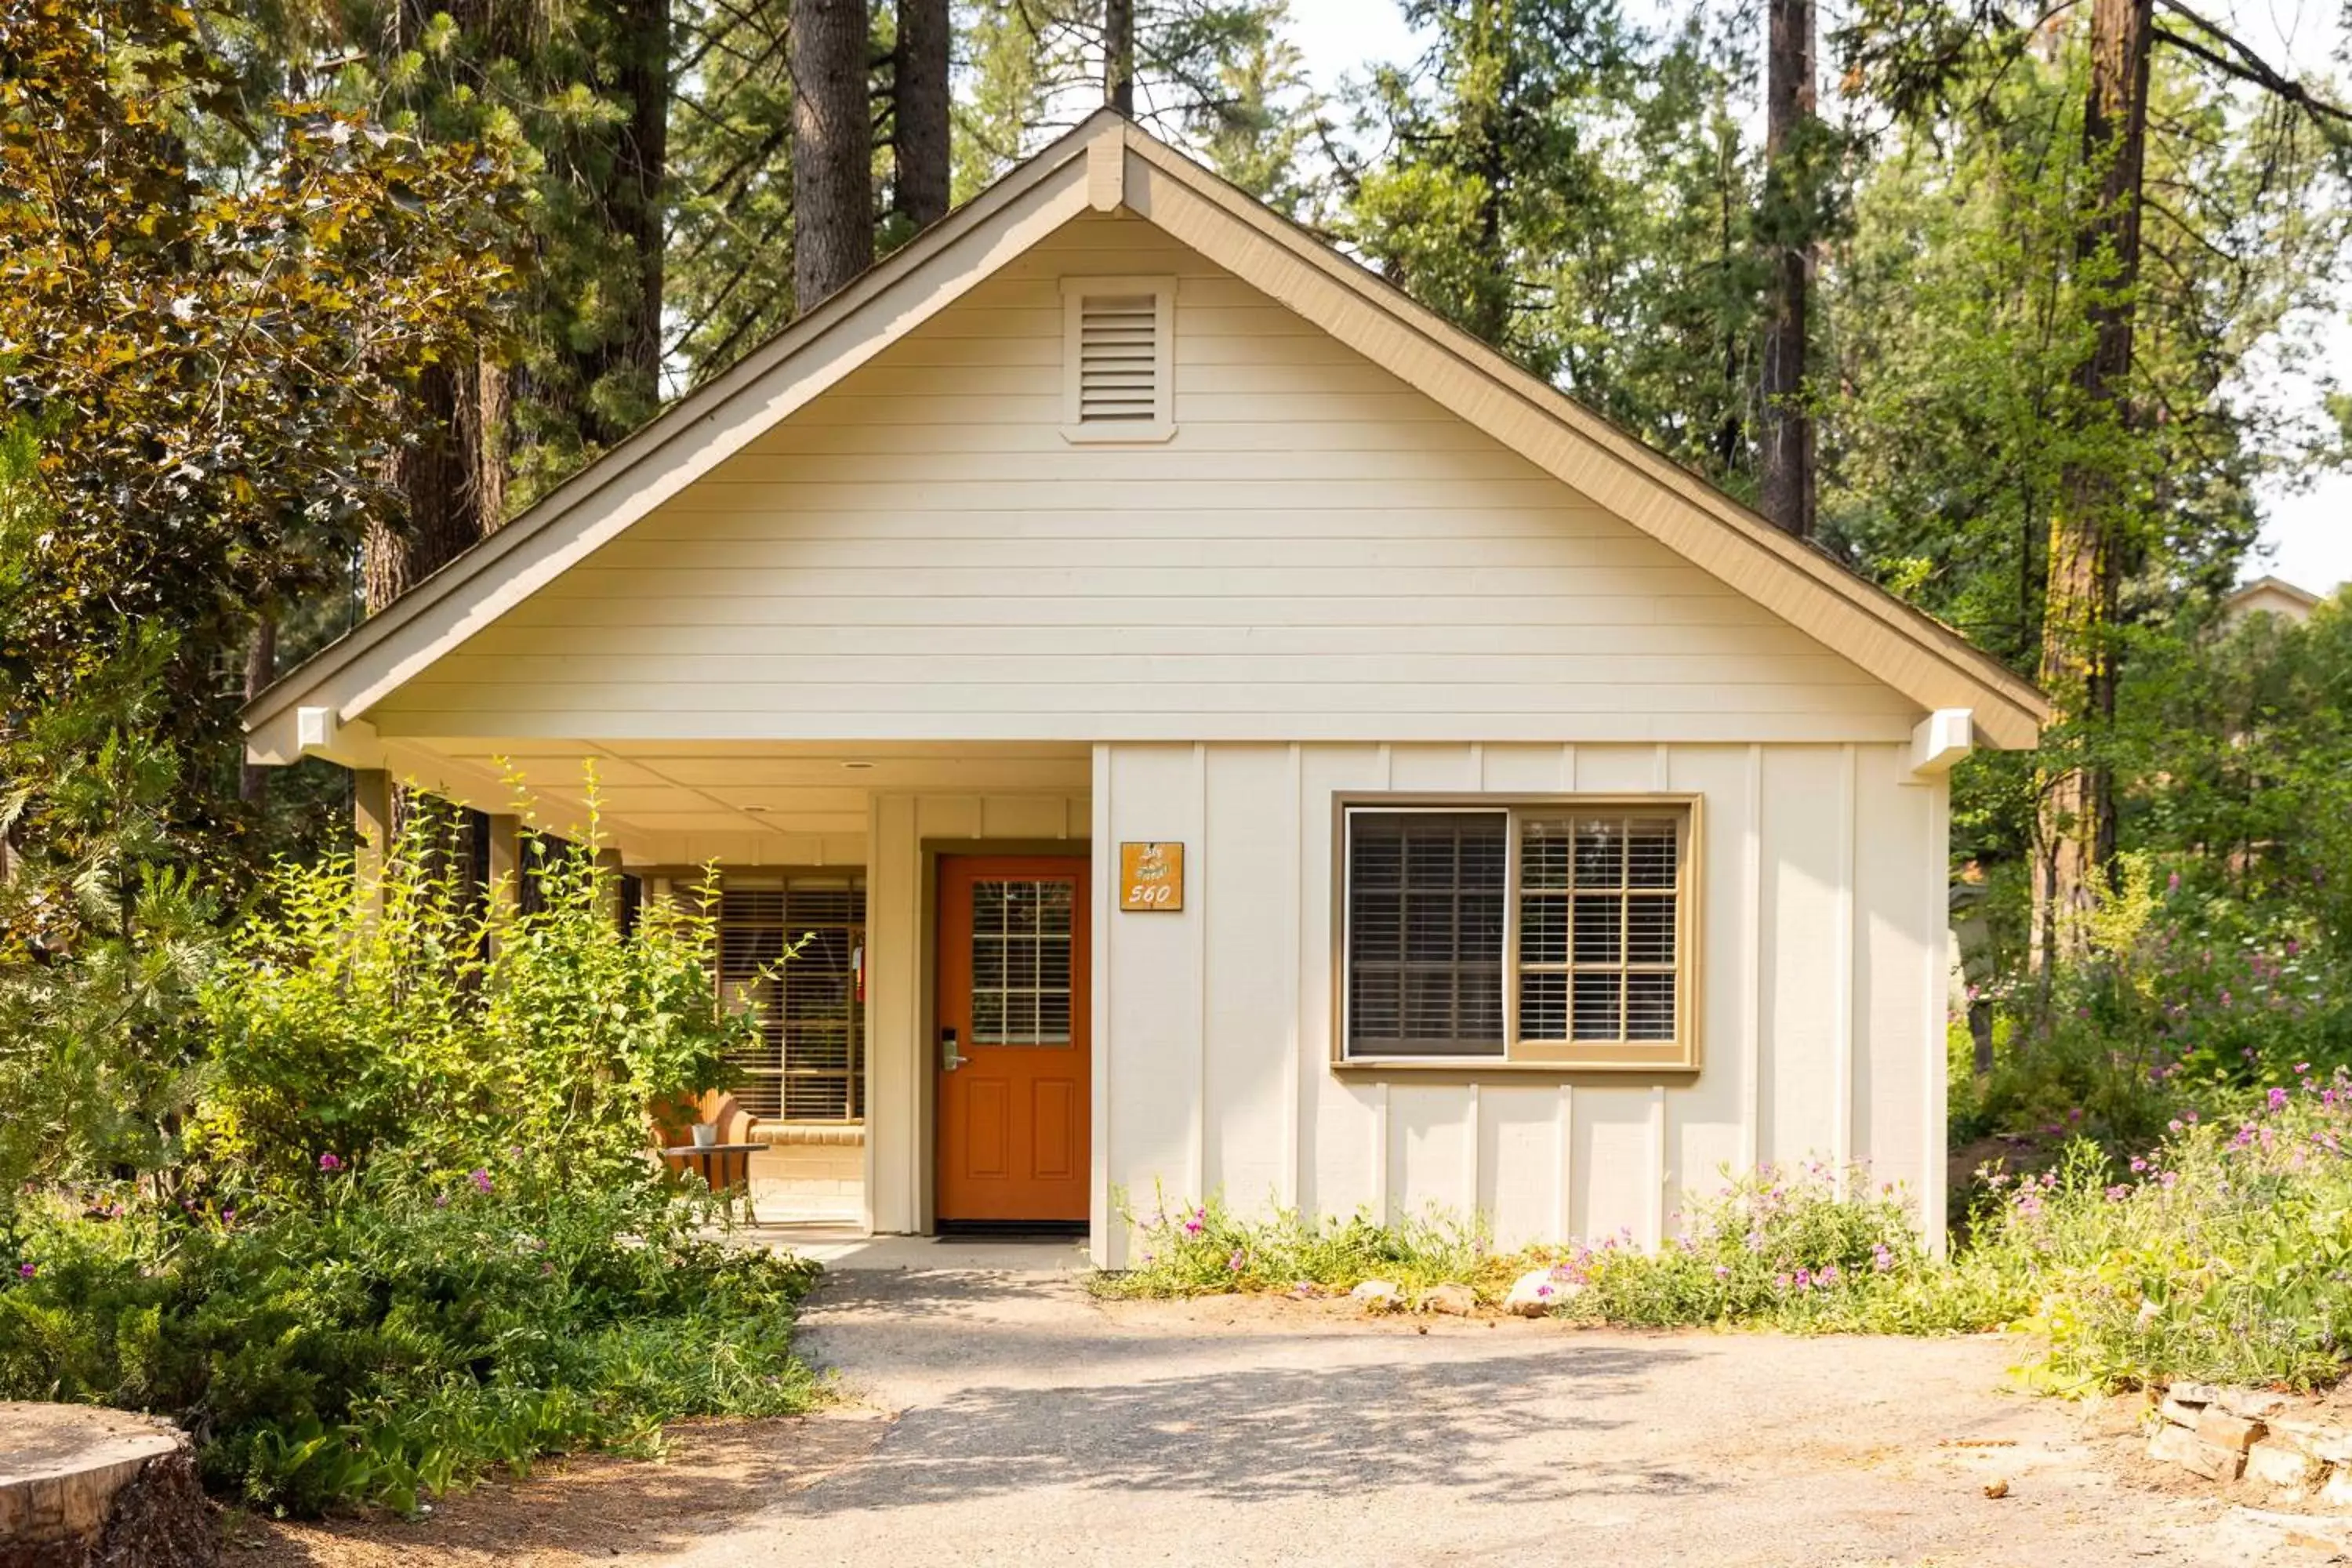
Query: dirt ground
592	1509
1007	1418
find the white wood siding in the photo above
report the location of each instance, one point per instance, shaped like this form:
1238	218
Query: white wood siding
1319	554
1821	1009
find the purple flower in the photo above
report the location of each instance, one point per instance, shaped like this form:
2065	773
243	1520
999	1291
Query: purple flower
1827	1277
330	1162
440	1199
481	1180
2137	1166
1234	1264
26	1270
1721	1272
1803	1280
2278	1100
228	1216
1881	1259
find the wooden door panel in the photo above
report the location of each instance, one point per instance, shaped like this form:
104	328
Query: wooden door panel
1053	1129
1012	964
987	1131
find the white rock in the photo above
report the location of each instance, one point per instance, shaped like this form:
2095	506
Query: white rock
1377	1296
1536	1292
2282	1466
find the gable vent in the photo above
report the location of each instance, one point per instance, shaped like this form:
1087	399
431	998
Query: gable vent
1118	358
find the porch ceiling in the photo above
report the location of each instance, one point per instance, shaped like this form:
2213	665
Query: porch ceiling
742	802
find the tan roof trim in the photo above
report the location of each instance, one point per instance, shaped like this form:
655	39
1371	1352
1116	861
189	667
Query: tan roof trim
2267	583
1909	650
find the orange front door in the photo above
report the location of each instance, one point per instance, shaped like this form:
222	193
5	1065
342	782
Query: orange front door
1015	1070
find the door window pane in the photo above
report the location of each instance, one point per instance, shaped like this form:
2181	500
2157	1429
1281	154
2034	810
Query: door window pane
1020	955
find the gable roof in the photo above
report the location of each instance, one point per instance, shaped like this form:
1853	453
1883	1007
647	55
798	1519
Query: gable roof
2247	593
1108	164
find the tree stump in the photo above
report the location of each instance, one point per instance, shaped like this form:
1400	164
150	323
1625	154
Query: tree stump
82	1487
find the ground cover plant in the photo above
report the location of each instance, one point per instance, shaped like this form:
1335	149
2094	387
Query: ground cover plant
2221	1252
398	1225
1205	1248
386	1338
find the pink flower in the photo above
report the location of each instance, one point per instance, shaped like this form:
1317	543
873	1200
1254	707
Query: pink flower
481	1180
2278	1100
1881	1259
1721	1272
26	1270
1234	1264
330	1162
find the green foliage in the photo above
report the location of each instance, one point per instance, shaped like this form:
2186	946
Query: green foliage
1796	1249
213	362
1213	74
451	1026
2221	1249
1204	1248
387	1334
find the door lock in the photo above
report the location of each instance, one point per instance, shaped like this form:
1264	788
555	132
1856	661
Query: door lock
950	1059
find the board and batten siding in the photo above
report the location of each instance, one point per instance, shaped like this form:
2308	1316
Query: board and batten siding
1821	1008
1318	553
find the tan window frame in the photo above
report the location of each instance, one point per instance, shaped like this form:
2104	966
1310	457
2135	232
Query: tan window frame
1557	1057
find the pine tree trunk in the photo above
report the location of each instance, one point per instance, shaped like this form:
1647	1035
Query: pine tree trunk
1118	56
636	200
2076	830
920	111
833	149
1786	483
260	670
452	482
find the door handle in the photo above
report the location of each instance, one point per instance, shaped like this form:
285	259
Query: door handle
950	1059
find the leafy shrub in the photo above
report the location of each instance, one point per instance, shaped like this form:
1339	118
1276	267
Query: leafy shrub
446	1026
1796	1249
1204	1248
2223	1253
392	1334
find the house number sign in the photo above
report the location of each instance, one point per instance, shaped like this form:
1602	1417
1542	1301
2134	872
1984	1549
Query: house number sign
1151	877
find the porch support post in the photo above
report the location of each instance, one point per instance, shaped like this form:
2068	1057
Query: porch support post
502	897
608	881
371	797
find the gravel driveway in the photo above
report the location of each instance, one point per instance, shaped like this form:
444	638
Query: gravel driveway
1013	1420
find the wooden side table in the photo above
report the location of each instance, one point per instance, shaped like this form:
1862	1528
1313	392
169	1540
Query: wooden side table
725	1169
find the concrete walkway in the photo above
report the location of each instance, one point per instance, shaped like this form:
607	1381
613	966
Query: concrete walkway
1009	1419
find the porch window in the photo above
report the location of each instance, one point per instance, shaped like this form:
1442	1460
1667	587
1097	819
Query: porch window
1550	933
810	1063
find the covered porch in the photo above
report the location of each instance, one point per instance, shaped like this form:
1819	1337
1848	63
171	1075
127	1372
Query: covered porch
830	851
